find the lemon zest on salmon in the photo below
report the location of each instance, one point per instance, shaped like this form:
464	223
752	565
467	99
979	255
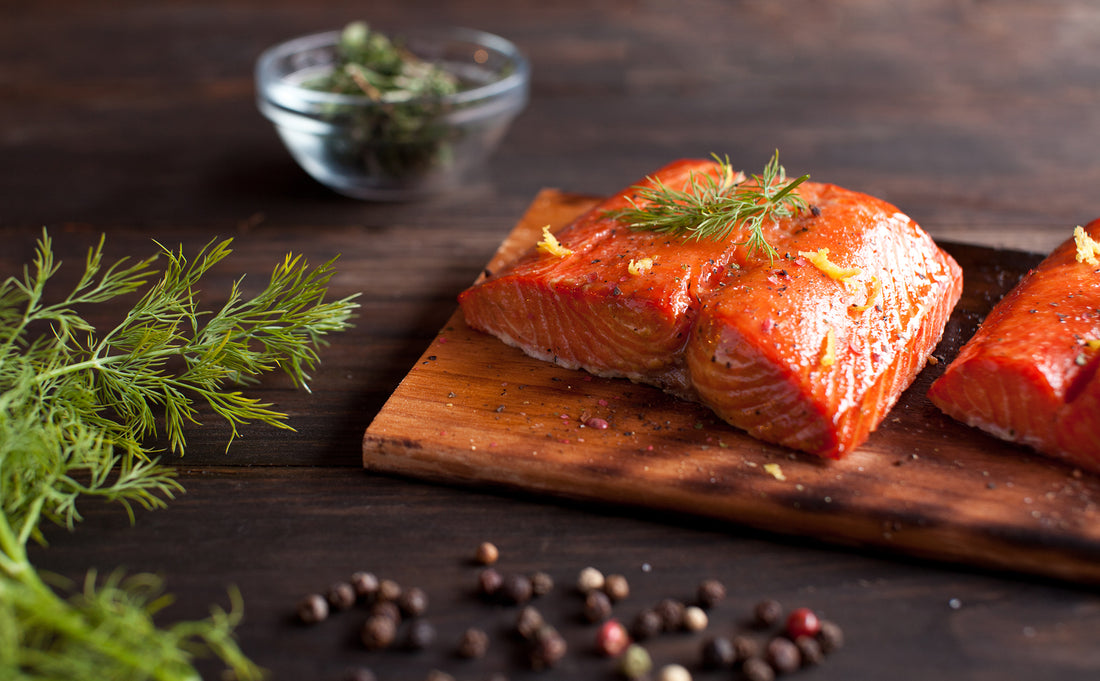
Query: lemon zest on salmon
828	352
876	288
1093	343
775	471
551	246
1087	247
641	266
820	260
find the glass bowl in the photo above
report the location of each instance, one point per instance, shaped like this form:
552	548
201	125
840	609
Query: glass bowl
335	137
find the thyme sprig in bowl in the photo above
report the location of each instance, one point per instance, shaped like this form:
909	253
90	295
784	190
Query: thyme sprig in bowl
375	117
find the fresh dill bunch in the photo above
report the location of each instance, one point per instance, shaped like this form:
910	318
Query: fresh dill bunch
76	410
715	206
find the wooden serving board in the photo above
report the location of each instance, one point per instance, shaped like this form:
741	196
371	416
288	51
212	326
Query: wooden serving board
474	410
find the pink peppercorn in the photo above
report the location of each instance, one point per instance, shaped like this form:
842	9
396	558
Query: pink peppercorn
612	639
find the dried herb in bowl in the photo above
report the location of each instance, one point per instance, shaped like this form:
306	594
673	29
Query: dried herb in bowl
403	135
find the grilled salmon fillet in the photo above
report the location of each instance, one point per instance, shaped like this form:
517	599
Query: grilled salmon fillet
1029	374
810	350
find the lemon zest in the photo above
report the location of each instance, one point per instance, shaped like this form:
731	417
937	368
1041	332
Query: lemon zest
1087	247
828	352
775	471
820	260
876	288
641	266
551	246
1093	343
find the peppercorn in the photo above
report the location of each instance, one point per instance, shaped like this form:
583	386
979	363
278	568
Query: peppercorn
516	589
612	639
782	654
710	593
589	579
340	596
802	622
413	602
810	650
388	590
487	553
756	669
548	649
360	674
647	624
529	621
597	606
489	581
718	653
313	609
635	662
830	636
767	612
673	672
695	619
421	634
378	632
474	643
745	647
387	609
616	587
365	584
671	612
541	583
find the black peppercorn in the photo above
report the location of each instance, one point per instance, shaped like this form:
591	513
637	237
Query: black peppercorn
616	587
718	653
782	654
489	582
341	596
473	644
388	590
313	609
671	612
365	585
413	602
597	606
710	593
767	613
647	624
387	609
516	589
541	583
831	637
745	647
529	621
421	635
756	669
378	632
548	648
810	650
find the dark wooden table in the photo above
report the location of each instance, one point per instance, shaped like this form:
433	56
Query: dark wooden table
137	120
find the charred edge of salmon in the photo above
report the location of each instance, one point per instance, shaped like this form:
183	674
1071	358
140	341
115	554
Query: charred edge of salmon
1021	377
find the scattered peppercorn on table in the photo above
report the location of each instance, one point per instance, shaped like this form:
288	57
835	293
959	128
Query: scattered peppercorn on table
446	572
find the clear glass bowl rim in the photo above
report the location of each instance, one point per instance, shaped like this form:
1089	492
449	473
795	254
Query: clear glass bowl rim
290	96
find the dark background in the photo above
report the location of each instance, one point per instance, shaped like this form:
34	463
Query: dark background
138	120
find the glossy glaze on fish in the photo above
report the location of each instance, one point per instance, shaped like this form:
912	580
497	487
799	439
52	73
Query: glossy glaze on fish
782	349
1029	374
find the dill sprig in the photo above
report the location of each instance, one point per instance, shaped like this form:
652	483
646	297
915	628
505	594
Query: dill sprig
715	206
76	410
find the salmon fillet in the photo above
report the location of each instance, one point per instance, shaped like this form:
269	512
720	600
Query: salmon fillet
783	349
1029	374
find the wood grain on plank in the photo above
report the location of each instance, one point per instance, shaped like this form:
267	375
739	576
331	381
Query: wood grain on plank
473	410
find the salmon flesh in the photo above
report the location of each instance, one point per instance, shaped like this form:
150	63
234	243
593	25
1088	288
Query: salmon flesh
1029	374
784	349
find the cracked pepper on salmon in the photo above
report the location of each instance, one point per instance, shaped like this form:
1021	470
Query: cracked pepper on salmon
809	349
1030	372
